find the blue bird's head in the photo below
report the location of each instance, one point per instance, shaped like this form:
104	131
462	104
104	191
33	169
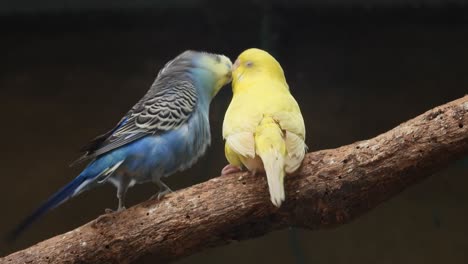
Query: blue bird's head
218	67
212	71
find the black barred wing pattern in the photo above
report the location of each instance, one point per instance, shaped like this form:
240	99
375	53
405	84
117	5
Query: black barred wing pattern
168	104
164	110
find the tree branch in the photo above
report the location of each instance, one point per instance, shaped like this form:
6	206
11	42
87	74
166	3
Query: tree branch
333	187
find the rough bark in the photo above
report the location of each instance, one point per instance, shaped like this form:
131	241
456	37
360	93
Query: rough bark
333	187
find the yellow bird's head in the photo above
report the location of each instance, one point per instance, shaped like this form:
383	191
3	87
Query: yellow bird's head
253	63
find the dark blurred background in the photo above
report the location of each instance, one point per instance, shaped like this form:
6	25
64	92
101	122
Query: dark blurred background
70	69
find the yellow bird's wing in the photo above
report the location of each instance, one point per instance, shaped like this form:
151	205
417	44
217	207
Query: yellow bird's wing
296	149
291	121
242	143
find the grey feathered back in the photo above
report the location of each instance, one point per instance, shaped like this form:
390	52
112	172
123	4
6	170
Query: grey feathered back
167	105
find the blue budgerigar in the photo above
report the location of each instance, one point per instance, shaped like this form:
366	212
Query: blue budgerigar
165	132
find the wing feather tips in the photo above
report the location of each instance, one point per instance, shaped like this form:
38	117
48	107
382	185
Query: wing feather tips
242	143
296	149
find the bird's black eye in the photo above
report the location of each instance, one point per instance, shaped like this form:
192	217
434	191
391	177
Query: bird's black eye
248	64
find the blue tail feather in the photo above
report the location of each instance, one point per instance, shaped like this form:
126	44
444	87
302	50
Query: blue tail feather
59	197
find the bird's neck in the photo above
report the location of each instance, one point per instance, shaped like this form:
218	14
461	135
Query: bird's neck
258	82
205	85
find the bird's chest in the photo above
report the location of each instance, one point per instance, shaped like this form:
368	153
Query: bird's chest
187	145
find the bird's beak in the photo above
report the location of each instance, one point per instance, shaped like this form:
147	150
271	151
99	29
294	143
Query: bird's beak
235	65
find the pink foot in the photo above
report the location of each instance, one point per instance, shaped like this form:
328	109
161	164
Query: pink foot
228	169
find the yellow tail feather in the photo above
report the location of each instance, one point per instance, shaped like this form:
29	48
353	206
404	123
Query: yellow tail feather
271	147
274	168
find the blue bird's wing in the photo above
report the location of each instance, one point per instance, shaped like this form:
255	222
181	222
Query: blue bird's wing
168	104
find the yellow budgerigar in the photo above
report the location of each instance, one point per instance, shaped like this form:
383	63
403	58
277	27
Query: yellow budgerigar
263	126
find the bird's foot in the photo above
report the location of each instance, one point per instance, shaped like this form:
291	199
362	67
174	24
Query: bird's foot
161	194
108	210
228	169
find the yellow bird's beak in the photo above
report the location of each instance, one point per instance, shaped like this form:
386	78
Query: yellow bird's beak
235	65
